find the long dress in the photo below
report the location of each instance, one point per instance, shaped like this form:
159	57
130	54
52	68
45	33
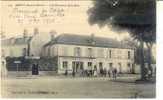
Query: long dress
95	73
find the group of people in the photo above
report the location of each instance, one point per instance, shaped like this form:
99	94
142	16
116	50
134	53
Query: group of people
112	73
149	72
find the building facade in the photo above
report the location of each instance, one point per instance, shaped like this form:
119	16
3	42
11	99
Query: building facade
78	53
24	46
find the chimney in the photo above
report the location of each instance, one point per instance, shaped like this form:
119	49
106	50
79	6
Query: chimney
25	33
36	31
53	34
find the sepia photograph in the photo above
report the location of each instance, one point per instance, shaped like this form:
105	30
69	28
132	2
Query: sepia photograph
78	48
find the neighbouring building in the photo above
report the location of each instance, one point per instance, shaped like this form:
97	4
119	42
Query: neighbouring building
79	52
16	46
24	46
23	49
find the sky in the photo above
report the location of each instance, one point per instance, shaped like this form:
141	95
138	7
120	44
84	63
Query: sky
74	21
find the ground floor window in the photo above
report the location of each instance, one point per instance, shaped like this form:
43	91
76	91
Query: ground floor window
101	67
65	64
77	66
90	65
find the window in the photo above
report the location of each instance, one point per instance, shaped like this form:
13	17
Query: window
90	53
128	64
110	54
129	55
77	66
3	53
111	64
77	51
89	64
65	64
100	65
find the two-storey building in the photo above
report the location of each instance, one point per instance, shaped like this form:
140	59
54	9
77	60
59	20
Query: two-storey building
78	52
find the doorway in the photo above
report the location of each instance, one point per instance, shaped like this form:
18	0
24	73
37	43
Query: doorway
77	66
35	69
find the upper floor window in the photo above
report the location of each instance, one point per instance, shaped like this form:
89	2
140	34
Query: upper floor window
65	65
77	51
129	54
90	52
110	54
3	53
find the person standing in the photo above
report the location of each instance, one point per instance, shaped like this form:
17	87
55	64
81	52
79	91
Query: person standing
105	72
95	71
66	72
114	73
109	73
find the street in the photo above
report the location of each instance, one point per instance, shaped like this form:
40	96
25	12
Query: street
78	87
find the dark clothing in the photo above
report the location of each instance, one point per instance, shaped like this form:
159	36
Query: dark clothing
66	72
73	73
109	74
35	70
115	73
104	72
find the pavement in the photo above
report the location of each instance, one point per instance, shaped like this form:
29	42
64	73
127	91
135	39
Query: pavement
78	87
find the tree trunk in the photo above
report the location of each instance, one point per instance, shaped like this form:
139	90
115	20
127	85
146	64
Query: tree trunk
143	71
150	58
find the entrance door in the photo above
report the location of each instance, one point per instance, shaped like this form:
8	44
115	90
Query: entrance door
77	66
101	67
35	70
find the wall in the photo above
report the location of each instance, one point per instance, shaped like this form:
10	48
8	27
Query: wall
68	50
14	50
37	43
66	53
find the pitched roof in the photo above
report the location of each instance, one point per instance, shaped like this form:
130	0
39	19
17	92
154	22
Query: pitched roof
16	41
71	39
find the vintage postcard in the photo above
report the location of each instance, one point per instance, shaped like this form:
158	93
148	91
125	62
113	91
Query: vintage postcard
78	48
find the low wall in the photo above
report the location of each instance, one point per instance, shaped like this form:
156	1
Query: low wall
29	73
